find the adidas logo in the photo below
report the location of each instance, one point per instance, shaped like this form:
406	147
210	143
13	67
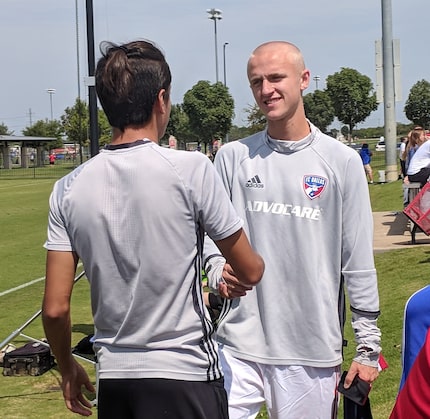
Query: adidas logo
254	182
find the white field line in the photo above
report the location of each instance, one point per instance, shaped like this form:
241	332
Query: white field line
20	185
27	284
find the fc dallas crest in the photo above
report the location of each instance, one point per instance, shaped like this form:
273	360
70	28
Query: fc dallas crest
314	185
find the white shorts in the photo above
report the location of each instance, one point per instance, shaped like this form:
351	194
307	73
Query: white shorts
289	391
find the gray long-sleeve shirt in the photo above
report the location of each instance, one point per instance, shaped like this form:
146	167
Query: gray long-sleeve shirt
306	210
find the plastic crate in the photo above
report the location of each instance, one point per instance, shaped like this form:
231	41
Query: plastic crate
419	209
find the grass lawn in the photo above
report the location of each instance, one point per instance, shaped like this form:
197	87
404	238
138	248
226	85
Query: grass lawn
23	217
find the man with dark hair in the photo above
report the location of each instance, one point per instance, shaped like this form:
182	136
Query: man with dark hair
136	215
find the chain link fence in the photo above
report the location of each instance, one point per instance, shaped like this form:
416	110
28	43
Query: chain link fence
29	167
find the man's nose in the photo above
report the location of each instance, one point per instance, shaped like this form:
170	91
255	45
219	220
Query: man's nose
266	87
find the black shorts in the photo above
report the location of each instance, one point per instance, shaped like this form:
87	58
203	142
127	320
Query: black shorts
157	398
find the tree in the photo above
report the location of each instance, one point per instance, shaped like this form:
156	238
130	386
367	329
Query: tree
179	127
255	118
76	125
4	130
75	122
210	110
417	106
236	133
45	128
319	109
352	96
104	128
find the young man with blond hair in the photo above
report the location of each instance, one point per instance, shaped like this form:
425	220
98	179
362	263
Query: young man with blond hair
305	202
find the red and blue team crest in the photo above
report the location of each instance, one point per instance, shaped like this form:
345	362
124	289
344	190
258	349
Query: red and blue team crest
314	185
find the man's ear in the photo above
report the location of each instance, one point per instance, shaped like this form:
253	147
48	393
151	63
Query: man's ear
305	79
161	102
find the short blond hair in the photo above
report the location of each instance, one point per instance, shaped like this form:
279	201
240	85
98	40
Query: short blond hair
292	49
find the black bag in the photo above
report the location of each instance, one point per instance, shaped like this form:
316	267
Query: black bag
33	358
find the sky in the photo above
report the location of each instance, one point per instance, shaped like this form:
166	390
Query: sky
43	45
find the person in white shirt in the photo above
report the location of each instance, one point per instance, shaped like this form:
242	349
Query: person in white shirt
305	201
419	165
136	215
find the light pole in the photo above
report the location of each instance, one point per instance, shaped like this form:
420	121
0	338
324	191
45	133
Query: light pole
317	79
215	14
223	54
50	93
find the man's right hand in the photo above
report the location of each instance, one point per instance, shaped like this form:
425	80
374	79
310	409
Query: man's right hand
72	382
230	287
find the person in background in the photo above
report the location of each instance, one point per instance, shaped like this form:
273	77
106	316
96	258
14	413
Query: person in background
415	325
366	157
307	211
415	139
136	215
402	157
418	167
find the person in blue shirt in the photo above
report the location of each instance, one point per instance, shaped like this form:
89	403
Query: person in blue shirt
415	326
366	155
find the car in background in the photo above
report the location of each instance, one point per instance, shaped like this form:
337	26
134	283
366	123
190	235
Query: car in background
356	147
380	146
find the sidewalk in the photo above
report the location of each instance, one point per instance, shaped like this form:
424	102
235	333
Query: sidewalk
391	231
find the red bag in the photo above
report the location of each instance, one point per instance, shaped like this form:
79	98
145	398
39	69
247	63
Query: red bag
419	209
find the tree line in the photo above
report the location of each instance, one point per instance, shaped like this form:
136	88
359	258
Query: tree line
207	112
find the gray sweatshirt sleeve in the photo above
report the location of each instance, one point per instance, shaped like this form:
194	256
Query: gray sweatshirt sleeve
358	266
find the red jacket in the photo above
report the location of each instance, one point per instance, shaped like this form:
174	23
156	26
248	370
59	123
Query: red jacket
413	401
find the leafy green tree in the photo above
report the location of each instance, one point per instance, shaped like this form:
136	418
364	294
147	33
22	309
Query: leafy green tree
4	130
370	132
75	122
45	128
319	109
255	118
104	128
352	96
236	133
179	127
210	109
417	106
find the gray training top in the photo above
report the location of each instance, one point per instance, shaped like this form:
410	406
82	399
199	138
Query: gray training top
306	210
136	217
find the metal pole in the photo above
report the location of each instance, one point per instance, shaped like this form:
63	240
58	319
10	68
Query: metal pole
50	99
78	70
390	128
216	51
223	51
215	14
51	92
92	96
317	79
32	318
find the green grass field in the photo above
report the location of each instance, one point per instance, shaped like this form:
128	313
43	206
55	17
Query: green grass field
23	220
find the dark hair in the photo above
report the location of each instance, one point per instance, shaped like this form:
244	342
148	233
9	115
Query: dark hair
128	80
365	145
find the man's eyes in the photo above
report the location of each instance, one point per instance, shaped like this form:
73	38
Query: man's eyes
271	79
